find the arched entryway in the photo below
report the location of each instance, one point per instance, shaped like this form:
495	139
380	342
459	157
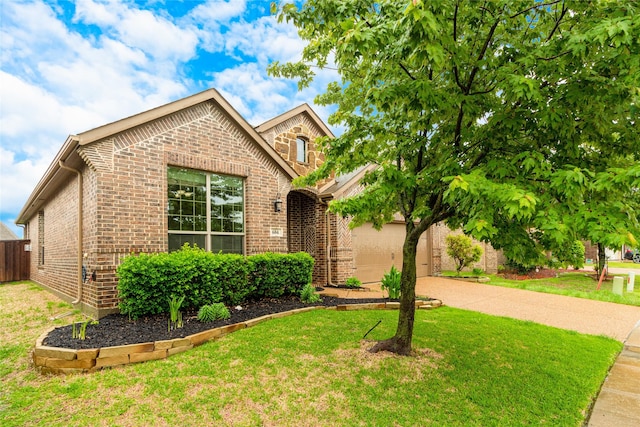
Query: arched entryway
306	226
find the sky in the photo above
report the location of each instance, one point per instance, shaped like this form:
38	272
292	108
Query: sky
69	66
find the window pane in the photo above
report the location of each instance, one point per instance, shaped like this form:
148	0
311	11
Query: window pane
186	191
301	146
226	244
176	241
227	202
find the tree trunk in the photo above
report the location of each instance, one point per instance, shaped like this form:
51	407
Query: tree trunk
400	343
602	257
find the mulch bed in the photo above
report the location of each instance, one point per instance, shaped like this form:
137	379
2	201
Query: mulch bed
118	329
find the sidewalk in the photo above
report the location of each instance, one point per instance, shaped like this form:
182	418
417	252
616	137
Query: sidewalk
618	403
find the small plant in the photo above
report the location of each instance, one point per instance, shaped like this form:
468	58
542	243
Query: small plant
477	271
353	282
462	250
391	282
308	294
79	329
175	320
211	312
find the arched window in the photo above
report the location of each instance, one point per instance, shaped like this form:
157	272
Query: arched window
301	147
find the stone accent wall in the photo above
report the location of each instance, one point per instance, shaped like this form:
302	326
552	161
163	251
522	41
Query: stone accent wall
489	262
283	138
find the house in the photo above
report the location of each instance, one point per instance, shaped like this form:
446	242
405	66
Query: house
194	171
6	233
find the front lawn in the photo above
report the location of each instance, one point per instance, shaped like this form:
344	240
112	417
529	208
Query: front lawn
313	369
575	284
625	264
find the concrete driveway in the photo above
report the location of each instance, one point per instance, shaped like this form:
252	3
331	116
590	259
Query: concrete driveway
577	314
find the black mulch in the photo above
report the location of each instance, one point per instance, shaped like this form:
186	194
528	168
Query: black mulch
117	329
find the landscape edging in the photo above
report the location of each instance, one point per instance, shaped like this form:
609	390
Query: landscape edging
58	360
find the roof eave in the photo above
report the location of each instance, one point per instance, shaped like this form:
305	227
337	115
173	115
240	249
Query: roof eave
35	199
303	108
164	110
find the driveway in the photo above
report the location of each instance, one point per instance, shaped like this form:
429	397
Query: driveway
577	314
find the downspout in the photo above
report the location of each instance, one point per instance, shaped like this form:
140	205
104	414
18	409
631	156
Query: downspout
80	219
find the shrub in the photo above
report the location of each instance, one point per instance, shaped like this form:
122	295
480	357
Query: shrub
147	281
308	294
477	271
391	282
570	254
462	250
274	275
353	282
211	312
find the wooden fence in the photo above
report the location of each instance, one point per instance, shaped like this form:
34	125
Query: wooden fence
15	260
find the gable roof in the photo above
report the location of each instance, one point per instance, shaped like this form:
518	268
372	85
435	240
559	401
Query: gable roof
56	173
301	109
6	233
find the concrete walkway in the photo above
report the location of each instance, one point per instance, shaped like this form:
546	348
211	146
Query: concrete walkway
618	403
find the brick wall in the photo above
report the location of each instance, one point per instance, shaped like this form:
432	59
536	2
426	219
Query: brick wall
58	233
125	198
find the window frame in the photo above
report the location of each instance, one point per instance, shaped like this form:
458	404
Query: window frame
305	149
208	233
41	239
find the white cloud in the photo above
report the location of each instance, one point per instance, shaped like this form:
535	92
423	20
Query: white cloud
19	177
116	58
214	12
264	39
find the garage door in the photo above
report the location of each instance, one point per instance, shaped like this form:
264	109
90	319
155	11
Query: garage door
376	251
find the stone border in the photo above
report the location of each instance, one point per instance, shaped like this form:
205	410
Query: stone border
66	361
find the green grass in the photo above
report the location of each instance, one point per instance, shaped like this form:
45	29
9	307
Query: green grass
312	369
575	285
627	264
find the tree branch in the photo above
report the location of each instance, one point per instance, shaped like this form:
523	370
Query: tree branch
487	42
564	11
536	6
458	132
551	58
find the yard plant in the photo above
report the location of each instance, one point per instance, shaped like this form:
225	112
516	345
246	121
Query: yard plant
211	312
313	367
515	120
463	251
391	282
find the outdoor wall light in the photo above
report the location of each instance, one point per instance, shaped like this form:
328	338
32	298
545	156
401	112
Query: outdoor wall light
277	204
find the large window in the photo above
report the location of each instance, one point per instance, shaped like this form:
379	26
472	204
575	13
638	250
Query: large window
205	209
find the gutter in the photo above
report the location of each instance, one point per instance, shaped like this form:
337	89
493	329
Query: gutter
80	221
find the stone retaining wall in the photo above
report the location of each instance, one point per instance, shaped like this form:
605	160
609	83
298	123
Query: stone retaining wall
63	360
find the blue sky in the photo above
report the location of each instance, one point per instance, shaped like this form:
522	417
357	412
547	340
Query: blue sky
67	67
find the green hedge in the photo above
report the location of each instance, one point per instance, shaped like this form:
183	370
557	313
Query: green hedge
274	275
147	281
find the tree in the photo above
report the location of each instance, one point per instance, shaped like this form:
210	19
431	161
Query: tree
462	250
478	113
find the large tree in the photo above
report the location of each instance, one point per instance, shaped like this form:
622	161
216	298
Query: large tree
498	116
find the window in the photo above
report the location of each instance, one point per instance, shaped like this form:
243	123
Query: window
301	147
41	238
205	209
